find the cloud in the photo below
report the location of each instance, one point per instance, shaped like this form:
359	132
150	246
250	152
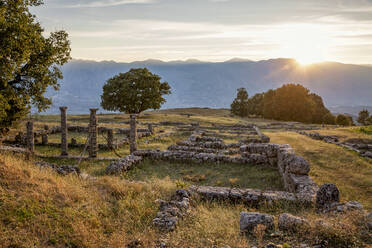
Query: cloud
105	3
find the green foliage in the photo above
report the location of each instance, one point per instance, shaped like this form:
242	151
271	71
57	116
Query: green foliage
239	106
28	61
255	105
343	120
134	92
329	119
365	130
293	102
363	116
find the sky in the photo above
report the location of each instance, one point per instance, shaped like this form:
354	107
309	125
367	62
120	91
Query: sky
213	30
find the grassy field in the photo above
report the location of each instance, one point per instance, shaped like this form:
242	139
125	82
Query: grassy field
225	175
39	208
334	164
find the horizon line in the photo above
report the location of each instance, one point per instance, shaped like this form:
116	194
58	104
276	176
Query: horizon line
194	60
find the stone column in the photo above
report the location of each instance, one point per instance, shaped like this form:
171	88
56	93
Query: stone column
30	136
64	144
133	133
110	139
151	130
93	133
44	136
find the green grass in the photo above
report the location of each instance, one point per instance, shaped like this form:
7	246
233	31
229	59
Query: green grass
226	175
365	130
333	164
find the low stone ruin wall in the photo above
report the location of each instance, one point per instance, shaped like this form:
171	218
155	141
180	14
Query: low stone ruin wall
62	170
249	197
196	157
367	152
263	137
124	164
202	150
171	211
290	127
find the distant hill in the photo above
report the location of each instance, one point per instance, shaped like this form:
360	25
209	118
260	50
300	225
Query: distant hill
205	84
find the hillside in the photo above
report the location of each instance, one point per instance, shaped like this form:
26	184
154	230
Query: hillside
195	83
40	208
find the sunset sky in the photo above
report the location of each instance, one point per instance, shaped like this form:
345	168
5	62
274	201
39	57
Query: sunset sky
214	30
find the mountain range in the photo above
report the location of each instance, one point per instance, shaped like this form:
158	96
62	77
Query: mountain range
196	83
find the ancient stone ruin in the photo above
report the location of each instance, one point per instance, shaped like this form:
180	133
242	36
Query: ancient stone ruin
363	149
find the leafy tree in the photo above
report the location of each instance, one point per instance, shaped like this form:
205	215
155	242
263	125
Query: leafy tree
343	120
320	111
329	119
268	105
255	106
291	102
134	92
28	61
239	106
363	116
369	120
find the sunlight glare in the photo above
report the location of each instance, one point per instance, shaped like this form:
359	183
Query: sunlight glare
306	43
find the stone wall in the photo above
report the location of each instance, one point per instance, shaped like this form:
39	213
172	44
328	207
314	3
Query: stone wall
364	150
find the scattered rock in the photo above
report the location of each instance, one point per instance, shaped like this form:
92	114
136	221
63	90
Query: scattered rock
290	223
135	244
124	164
169	212
62	170
327	195
248	221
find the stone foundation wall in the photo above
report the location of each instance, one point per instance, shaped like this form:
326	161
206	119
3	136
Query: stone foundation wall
367	148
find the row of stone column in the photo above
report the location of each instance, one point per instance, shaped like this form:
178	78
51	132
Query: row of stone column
93	131
93	146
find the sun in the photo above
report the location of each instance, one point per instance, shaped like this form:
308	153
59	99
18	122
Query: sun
307	44
309	59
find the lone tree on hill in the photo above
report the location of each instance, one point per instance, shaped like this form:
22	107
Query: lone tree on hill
132	93
363	116
239	106
28	61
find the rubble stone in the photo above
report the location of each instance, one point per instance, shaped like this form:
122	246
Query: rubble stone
249	220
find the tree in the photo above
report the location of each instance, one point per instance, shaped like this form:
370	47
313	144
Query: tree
239	106
343	120
363	116
29	62
255	106
268	108
329	119
134	92
291	102
320	111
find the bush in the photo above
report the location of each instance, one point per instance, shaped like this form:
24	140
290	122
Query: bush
343	120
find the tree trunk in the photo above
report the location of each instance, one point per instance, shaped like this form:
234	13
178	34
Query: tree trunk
133	133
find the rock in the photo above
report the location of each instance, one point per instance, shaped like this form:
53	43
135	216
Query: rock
124	164
271	245
169	212
62	170
349	206
135	244
297	165
327	195
290	223
249	220
367	154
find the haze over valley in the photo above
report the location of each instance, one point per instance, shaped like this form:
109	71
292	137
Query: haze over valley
345	88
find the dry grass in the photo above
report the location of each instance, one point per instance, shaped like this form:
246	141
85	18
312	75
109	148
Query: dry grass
38	208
